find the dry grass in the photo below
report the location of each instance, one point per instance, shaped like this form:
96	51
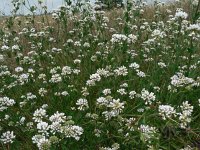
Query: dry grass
44	20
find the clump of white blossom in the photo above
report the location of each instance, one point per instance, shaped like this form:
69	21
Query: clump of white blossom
166	111
185	115
7	137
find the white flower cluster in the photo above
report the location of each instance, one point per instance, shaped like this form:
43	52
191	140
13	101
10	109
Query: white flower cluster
93	79
199	101
180	80
39	114
29	96
23	78
158	34
132	94
58	124
43	128
115	146
185	115
120	38
5	102
122	91
104	72
121	71
115	106
195	2
42	92
147	96
66	70
131	123
194	27
1	58
134	66
41	141
82	104
103	101
181	14
72	131
4	71
188	147
147	132
166	111
7	137
56	78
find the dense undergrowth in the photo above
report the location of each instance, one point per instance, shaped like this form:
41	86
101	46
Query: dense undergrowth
84	79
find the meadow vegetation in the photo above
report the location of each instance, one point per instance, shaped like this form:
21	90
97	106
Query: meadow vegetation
82	79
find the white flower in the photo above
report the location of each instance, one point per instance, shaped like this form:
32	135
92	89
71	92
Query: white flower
185	115
147	96
199	101
58	117
82	104
95	77
64	93
119	38
132	38
23	78
121	71
130	123
42	91
116	38
134	65
19	69
41	141
194	27
109	114
157	34
166	111
77	61
115	146
106	91
39	114
132	94
56	50
181	14
188	147
101	101
103	72
15	47
147	131
180	80
1	58
56	78
43	127
5	102
72	131
87	45
55	127
195	2
7	137
30	96
122	91
66	70
141	74
4	48
116	106
162	65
